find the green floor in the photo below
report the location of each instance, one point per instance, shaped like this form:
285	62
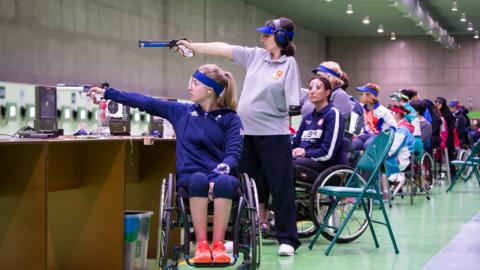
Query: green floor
421	230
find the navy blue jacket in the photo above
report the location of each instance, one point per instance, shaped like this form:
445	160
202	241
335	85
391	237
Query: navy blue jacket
321	135
203	140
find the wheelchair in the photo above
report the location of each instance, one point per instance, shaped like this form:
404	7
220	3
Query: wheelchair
313	206
462	155
243	227
420	178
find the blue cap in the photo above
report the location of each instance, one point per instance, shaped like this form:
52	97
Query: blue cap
453	103
266	29
367	88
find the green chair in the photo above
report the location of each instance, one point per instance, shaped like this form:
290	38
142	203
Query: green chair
471	163
370	162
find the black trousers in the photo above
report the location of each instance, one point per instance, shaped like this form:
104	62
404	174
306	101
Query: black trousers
268	160
307	169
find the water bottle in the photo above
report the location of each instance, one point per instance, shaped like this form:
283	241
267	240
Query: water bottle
102	124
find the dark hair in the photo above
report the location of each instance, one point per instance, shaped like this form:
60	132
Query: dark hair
286	24
444	110
419	106
346	80
409	93
326	84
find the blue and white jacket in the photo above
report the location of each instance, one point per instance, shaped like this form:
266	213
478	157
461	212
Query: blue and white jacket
321	135
203	140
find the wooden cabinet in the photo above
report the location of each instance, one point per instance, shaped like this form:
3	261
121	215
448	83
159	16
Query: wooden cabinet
63	201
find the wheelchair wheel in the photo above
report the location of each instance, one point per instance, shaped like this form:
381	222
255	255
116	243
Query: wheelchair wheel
427	173
164	222
358	223
468	170
251	228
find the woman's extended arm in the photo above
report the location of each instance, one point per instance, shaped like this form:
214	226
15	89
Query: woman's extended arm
212	48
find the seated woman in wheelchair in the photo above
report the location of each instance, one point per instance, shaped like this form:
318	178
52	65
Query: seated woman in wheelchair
404	97
376	117
208	146
319	142
398	157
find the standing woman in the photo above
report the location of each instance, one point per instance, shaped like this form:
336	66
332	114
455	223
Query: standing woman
442	108
271	87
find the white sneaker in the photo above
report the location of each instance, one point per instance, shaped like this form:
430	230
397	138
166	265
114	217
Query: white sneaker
401	180
229	246
286	250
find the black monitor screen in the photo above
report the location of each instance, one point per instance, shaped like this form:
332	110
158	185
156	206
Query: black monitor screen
47	99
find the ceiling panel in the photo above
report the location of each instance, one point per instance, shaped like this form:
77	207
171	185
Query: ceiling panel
330	18
440	10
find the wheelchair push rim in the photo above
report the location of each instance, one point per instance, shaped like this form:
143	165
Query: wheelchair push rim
358	223
164	222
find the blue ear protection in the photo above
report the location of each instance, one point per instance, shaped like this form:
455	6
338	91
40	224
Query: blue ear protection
281	36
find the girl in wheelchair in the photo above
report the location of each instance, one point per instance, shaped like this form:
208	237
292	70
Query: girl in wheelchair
208	147
398	157
319	140
376	117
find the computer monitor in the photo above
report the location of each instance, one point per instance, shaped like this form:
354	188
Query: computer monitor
46	109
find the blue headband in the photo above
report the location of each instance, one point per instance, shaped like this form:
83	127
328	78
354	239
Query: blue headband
327	70
208	82
371	91
368	89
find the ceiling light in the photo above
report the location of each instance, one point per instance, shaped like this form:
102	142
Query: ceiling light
470	26
454	6
420	23
328	0
475	36
393	36
380	29
366	20
463	17
349	9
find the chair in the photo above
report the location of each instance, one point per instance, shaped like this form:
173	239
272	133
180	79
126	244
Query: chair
370	162
471	163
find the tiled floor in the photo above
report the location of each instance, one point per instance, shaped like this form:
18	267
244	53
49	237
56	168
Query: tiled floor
421	230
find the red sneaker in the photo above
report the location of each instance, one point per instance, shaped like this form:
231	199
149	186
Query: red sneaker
202	254
219	253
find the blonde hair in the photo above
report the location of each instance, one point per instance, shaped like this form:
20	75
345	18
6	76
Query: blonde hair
371	98
228	98
334	81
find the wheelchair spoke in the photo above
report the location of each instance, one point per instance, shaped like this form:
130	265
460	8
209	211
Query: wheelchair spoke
359	223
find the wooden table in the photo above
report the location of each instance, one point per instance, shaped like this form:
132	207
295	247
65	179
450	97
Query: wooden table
62	201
